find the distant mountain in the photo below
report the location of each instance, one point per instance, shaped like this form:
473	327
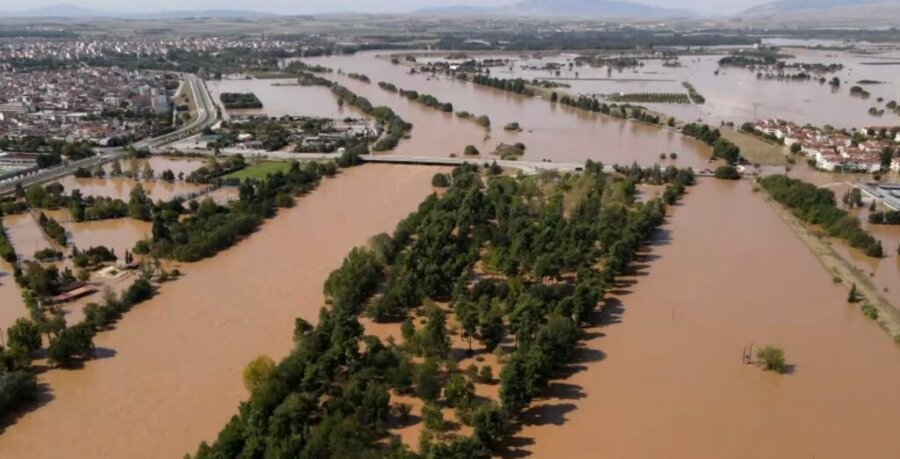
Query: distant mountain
223	14
56	11
594	8
782	7
457	10
71	11
563	8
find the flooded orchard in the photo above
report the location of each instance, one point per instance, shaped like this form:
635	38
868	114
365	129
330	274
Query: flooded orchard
670	381
549	131
732	94
173	364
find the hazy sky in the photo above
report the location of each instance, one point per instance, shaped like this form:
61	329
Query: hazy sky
324	6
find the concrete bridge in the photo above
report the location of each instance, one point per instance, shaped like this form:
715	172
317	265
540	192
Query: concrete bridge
526	166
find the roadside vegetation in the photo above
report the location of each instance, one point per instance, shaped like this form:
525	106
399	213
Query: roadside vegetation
817	206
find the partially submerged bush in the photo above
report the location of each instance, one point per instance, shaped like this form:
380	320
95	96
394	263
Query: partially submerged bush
771	358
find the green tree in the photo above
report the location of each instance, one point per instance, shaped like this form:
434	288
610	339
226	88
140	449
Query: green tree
459	391
467	314
140	206
491	424
25	335
72	343
258	372
428	384
492	330
853	296
435	340
440	180
433	418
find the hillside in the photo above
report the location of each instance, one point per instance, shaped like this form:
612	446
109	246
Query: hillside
565	8
817	6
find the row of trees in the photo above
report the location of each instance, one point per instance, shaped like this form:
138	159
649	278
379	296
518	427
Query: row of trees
331	397
722	147
53	229
211	227
396	127
817	206
652	97
7	251
427	100
517	85
889	217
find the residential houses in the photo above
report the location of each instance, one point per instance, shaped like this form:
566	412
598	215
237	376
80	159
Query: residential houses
829	150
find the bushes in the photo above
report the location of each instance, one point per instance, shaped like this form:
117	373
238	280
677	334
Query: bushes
725	149
722	147
771	358
817	206
440	180
233	100
890	217
727	172
869	310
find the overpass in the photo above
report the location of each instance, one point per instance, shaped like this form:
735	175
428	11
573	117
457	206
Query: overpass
889	195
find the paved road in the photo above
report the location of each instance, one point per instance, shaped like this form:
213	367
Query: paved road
206	116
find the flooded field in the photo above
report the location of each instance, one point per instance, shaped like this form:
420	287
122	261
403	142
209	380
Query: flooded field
669	375
173	365
25	234
120	187
734	94
549	131
117	234
282	97
11	305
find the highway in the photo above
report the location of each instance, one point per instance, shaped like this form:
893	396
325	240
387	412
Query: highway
207	115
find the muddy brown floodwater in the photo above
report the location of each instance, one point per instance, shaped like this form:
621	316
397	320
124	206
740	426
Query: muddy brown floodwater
282	97
724	273
169	375
550	131
120	187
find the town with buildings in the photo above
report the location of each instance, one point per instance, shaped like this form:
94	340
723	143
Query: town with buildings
97	105
834	151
